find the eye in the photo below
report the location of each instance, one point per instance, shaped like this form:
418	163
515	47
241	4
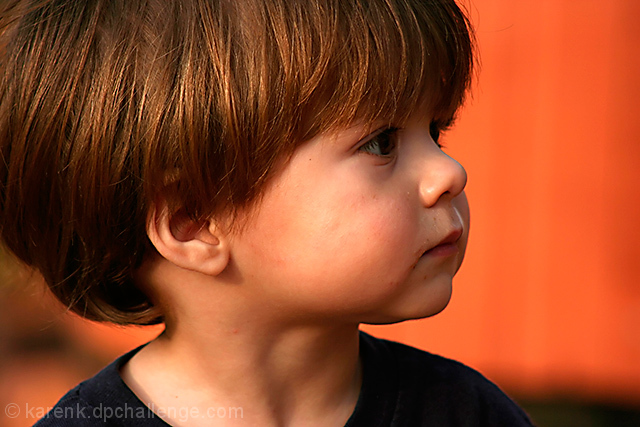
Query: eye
382	143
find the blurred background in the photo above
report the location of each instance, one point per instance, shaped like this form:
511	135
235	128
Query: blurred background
547	303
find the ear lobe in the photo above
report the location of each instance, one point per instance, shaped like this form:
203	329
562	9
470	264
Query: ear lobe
196	246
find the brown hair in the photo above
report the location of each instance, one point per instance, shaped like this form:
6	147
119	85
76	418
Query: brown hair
101	100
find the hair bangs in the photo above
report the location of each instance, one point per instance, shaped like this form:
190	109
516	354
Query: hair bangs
391	58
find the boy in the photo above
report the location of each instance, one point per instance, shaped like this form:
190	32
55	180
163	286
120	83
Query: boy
262	177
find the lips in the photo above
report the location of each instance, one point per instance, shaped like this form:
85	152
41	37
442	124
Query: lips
451	237
447	246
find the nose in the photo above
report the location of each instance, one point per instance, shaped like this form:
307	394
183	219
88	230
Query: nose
442	177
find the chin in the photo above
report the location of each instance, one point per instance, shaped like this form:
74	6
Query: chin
413	307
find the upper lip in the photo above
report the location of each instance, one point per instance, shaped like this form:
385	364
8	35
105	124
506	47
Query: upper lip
450	238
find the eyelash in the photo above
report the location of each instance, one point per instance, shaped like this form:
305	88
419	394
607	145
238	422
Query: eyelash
436	131
374	142
389	135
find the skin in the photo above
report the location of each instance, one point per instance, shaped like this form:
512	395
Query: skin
357	227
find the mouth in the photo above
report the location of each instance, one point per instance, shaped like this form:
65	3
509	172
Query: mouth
447	246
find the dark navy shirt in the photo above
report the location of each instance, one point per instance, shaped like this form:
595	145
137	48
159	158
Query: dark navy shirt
402	386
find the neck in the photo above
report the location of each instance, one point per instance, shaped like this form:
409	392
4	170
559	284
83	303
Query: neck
279	373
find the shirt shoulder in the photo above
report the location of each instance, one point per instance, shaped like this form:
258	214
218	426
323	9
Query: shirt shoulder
103	400
70	410
419	388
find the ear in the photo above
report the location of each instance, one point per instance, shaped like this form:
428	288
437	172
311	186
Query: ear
197	246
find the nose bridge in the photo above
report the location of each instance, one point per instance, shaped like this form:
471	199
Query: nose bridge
441	176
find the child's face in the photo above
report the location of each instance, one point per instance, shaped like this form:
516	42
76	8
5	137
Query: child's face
346	230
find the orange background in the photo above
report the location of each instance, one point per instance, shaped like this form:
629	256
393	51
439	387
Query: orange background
548	299
547	303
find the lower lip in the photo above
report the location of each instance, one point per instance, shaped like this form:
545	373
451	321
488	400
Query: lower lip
444	250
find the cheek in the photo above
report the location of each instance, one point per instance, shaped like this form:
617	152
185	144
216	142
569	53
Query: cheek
326	241
357	240
461	205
